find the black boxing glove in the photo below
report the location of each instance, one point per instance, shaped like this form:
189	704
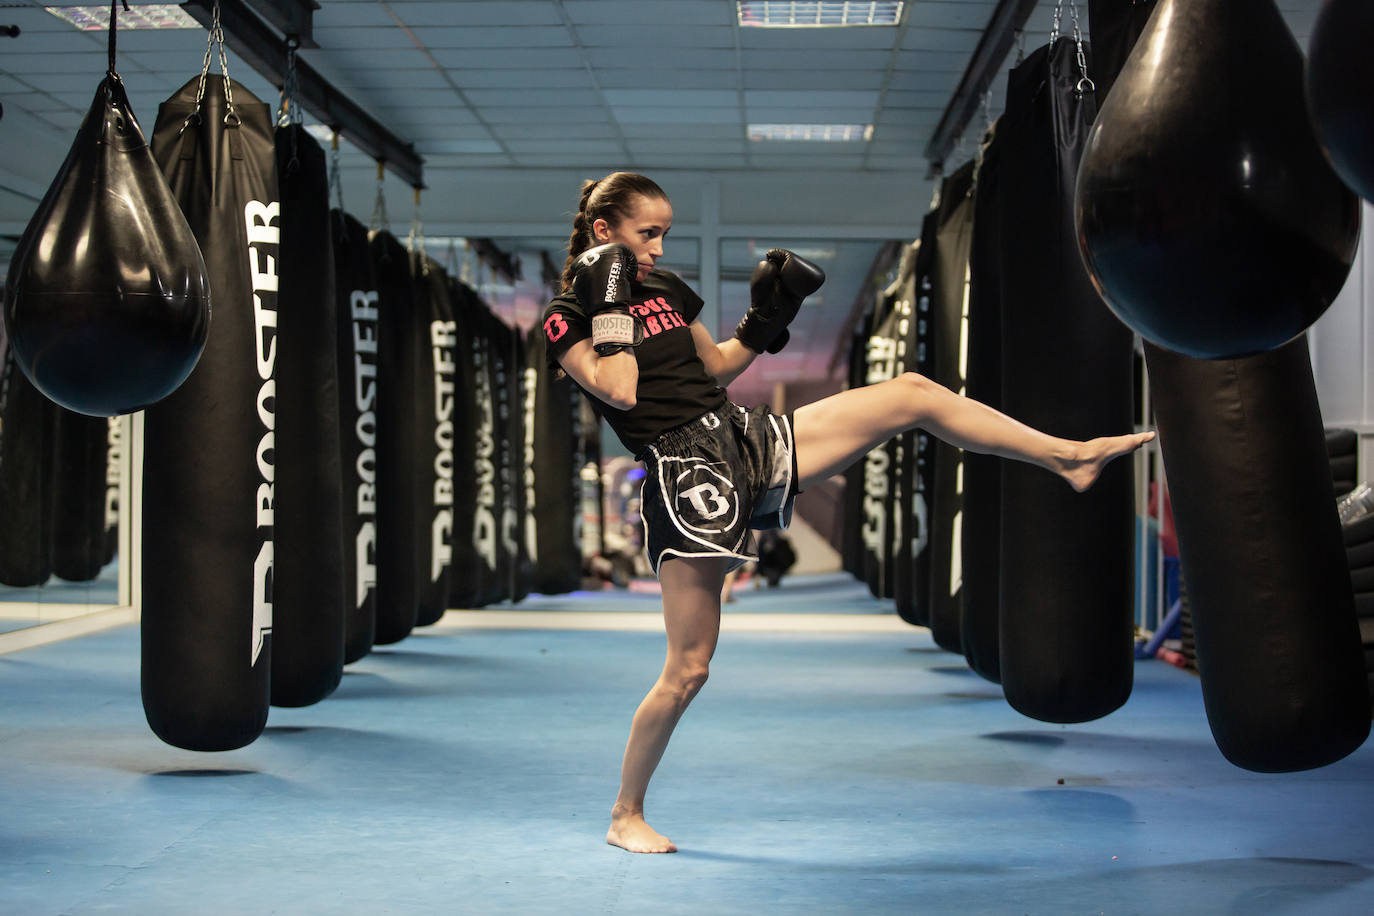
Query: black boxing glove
601	283
776	290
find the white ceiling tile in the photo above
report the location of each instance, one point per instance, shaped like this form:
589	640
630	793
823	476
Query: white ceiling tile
638	12
699	145
933	60
596	161
356	38
813	79
659	63
405	99
509	58
816	60
92	62
602	147
950	14
685	98
908	98
660	115
439	162
906	117
808	98
31	19
333	14
497	37
951	40
910	80
625	78
521	79
537	115
477	13
404	58
696	161
518	98
546	132
685	131
374	77
848	160
437	147
627	38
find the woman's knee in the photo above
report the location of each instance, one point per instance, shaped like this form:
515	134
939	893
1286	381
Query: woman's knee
685	680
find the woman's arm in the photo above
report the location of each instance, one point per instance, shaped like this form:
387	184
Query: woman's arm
724	360
613	379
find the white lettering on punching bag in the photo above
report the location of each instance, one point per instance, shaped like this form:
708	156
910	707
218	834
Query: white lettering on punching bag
484	510
262	235
363	311
882	365
443	337
531	529
112	433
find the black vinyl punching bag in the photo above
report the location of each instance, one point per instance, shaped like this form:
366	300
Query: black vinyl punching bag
355	292
948	309
1339	74
982	517
107	302
1278	643
27	421
1114	27
554	548
439	416
483	579
80	457
114	432
308	584
398	344
901	293
1066	605
461	592
500	365
516	540
1210	221
880	360
209	447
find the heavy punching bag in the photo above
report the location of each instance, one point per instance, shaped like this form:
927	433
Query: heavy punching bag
27	421
901	294
1278	643
982	517
462	590
1208	217
114	432
554	543
880	360
439	416
107	302
398	345
947	368
80	456
1065	620
308	583
356	318
209	447
1114	27
1340	71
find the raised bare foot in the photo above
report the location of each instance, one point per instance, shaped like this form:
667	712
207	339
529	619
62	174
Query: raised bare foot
631	832
1083	470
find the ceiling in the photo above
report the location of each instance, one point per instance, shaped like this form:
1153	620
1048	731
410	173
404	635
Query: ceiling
512	103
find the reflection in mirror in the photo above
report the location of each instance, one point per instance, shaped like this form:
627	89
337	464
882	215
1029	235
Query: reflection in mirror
59	506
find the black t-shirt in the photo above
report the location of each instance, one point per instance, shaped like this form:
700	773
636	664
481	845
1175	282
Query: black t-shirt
674	387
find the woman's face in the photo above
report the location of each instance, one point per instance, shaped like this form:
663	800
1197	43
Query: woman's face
642	230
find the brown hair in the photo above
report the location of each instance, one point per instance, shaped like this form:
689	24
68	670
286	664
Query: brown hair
610	199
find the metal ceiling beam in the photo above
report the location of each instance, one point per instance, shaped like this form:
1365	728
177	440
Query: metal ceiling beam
255	42
1007	20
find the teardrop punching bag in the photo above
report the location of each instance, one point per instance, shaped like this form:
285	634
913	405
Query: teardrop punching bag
1065	621
398	342
947	368
107	302
1207	215
1278	643
982	518
1340	71
209	447
308	582
356	295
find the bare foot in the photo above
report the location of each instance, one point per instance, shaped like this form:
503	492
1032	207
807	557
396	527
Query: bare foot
1083	469
631	832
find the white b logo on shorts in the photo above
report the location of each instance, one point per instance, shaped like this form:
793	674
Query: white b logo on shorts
706	499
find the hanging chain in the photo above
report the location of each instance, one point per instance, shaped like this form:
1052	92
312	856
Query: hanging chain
216	37
379	217
335	179
290	110
415	242
1085	84
1058	18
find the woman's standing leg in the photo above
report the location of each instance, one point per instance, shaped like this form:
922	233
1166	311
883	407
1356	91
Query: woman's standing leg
834	432
691	615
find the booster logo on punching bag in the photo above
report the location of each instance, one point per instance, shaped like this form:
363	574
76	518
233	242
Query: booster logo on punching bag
263	234
443	337
484	512
363	309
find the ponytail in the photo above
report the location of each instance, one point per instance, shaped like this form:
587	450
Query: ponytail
611	198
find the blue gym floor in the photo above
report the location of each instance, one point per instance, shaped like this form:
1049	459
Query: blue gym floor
849	767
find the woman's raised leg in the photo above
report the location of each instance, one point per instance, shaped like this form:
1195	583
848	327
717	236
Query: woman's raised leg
834	432
691	616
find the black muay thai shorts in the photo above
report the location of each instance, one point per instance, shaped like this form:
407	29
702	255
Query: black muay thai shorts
710	481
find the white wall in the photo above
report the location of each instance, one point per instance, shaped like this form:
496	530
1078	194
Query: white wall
1342	358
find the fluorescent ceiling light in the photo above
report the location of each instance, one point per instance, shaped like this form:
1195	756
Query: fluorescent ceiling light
794	14
835	133
147	16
